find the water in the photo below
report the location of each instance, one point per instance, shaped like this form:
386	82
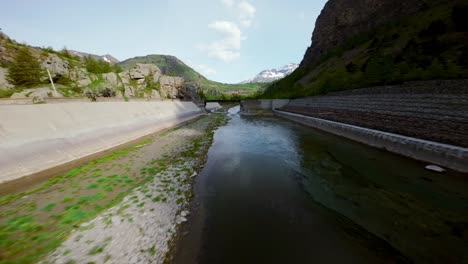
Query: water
273	191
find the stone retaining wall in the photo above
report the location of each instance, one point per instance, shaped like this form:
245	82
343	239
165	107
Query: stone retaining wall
261	106
432	110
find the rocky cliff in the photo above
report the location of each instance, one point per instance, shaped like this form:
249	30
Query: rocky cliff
342	19
362	43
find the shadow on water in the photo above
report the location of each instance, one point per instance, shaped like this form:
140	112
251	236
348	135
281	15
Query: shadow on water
274	191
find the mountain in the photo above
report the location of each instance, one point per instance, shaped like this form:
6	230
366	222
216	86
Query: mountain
107	58
363	43
268	76
152	76
169	65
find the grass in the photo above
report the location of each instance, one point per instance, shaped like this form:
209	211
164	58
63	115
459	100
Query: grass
96	250
7	93
32	229
25	236
48	207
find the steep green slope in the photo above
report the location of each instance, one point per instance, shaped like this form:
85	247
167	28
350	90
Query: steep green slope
430	44
169	65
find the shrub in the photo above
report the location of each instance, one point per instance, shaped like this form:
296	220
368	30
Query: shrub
97	66
25	70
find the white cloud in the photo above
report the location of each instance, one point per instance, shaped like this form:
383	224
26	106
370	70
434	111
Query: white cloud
228	3
244	10
227	48
205	70
246	13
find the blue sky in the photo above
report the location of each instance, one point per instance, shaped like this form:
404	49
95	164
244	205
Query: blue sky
225	40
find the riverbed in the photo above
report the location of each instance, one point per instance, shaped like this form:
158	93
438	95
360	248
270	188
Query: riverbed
273	191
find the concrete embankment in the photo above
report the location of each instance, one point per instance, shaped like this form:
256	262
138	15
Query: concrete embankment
442	154
426	120
34	138
261	106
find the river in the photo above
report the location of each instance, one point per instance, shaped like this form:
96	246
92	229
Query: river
273	191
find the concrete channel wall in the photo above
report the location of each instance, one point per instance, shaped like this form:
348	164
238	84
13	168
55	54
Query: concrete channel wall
34	138
262	106
431	110
442	154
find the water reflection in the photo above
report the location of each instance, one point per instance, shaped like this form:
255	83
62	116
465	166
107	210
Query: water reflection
423	214
278	192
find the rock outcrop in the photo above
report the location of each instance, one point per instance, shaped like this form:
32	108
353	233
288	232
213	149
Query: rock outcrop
170	86
146	80
56	65
3	81
342	19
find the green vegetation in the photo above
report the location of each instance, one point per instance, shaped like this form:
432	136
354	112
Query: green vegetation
171	66
99	66
6	93
25	70
432	44
222	91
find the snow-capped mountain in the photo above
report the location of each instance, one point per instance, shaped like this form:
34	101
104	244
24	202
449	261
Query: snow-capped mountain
106	57
273	74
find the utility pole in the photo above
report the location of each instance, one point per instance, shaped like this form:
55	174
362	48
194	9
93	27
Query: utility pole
52	82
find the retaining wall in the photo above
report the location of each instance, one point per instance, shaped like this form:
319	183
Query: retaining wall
37	137
262	106
431	110
442	154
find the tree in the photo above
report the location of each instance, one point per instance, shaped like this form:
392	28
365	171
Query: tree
25	70
97	66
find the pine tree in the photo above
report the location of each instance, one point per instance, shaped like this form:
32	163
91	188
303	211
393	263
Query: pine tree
25	69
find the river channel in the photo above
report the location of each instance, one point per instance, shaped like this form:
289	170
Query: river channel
273	191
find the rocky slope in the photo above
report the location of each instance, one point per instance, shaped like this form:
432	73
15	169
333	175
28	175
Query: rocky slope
271	75
169	65
69	71
152	76
341	19
107	58
368	42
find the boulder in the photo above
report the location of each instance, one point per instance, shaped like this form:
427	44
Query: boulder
191	92
3	81
155	95
140	71
111	78
80	77
129	91
170	86
148	75
56	65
